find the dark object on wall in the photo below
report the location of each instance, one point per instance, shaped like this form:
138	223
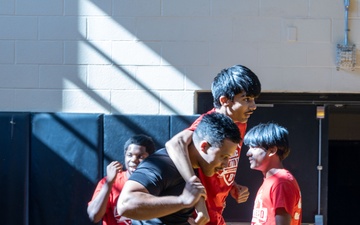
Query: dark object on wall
204	100
14	162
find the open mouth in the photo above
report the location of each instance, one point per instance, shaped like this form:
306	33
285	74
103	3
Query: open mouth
132	168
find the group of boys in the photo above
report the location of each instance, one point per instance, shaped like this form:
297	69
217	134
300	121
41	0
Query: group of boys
188	181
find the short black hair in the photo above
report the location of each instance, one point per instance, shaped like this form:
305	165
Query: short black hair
269	135
142	140
235	80
215	128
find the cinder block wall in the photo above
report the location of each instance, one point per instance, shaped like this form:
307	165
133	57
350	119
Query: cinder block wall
150	56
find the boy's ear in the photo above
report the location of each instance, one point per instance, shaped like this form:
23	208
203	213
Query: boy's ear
223	100
204	145
272	151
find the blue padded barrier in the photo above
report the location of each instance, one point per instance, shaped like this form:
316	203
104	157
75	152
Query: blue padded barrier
118	129
56	175
179	123
14	161
65	165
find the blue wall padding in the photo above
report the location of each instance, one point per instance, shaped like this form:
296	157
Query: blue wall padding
118	128
53	161
65	164
14	159
50	163
179	123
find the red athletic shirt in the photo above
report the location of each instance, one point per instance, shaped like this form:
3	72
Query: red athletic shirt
111	216
281	190
219	185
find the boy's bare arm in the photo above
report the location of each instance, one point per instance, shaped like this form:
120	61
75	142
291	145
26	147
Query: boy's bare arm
137	203
177	148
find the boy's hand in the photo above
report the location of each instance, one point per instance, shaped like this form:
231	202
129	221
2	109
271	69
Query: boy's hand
240	193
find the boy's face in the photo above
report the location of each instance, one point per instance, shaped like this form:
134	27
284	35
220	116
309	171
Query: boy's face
217	158
258	158
241	108
134	155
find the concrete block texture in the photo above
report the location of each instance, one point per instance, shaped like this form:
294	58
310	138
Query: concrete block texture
125	56
18	27
39	7
7	49
39	52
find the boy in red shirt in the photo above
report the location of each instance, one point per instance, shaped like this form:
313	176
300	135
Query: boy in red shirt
234	92
278	200
103	203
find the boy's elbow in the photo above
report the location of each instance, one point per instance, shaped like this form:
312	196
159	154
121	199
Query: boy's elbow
126	208
170	143
169	148
120	211
94	220
93	217
167	144
121	208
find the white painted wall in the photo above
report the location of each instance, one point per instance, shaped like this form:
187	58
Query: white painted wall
149	56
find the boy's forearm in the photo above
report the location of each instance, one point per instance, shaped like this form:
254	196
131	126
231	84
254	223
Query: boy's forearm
97	208
177	148
142	206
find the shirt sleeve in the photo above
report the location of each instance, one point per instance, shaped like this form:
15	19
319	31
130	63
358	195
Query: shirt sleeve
156	173
285	195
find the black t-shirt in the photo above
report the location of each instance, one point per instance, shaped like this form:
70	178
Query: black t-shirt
159	176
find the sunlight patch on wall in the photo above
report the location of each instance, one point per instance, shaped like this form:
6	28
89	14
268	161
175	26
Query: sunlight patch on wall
111	44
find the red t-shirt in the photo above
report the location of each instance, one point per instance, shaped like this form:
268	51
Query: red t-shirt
281	190
111	216
219	185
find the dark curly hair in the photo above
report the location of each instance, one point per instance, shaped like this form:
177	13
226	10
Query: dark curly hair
142	140
215	128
